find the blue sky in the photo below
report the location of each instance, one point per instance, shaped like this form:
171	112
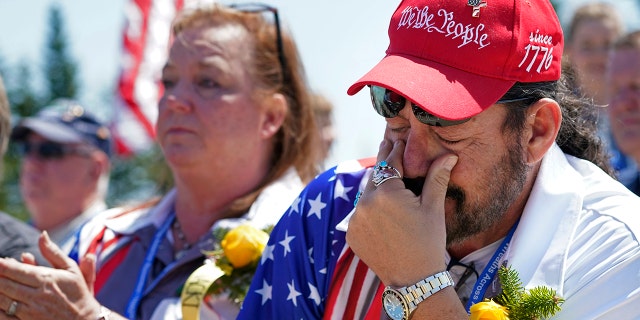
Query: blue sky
339	41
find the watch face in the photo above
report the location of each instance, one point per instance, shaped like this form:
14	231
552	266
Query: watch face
393	304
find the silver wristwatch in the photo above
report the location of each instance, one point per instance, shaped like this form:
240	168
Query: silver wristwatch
399	303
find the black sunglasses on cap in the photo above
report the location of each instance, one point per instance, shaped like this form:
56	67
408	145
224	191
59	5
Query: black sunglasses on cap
51	150
389	103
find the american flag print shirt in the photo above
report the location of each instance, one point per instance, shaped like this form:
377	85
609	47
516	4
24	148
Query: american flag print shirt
307	271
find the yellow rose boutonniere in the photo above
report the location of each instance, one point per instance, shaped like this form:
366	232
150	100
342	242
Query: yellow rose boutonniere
517	303
488	310
243	245
228	268
237	255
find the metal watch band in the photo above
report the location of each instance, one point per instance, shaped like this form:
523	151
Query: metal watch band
424	288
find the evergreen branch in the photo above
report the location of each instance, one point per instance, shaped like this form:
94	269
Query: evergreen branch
540	302
512	289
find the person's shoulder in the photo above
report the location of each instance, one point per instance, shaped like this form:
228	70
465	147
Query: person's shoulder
17	237
356	165
616	206
604	195
122	219
604	244
348	174
334	191
115	226
354	168
15	226
611	209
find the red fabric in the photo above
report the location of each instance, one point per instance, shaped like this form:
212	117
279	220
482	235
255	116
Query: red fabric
356	288
367	162
108	267
455	65
337	280
346	291
133	50
93	246
375	311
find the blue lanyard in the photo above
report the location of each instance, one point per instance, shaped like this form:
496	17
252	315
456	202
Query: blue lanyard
136	296
490	271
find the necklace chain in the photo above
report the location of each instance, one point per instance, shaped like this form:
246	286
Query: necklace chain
185	244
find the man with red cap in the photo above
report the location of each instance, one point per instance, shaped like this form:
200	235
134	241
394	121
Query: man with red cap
484	163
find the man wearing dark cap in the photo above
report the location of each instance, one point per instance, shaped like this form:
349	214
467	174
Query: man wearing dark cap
65	168
484	162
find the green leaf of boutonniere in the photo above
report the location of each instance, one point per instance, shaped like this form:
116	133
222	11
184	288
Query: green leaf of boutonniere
540	302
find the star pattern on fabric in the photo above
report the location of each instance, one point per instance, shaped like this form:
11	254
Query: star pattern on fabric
286	242
293	293
316	206
308	238
295	206
314	295
265	291
311	255
341	191
267	254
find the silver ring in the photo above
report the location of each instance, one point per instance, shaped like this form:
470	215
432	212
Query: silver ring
383	172
12	309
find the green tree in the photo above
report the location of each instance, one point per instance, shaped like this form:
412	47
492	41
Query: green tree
60	69
23	101
22	96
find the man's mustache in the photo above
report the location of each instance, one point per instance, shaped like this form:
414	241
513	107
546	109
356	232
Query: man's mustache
416	185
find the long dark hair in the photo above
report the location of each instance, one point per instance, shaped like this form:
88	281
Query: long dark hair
578	132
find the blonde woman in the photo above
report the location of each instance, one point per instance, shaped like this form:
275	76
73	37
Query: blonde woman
237	132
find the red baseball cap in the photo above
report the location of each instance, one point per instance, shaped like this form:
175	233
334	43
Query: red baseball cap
456	58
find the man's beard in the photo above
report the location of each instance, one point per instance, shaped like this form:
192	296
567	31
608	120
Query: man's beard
503	185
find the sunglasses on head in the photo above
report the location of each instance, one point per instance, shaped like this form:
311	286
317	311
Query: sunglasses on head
260	8
50	150
389	103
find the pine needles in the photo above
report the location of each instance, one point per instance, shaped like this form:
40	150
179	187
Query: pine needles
537	303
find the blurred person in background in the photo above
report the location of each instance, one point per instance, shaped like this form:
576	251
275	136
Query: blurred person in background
593	30
236	128
65	166
16	237
623	77
594	27
323	113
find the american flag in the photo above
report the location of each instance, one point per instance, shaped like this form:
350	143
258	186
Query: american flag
145	44
307	271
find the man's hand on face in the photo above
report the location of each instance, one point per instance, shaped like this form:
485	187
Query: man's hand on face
399	235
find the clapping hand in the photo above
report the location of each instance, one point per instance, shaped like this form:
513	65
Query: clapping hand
65	291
